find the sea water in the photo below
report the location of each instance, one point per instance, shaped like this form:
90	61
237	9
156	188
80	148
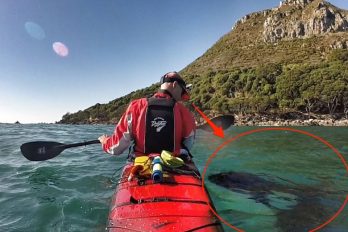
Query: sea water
303	181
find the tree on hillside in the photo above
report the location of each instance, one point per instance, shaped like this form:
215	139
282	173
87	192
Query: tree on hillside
310	91
333	94
269	72
309	99
288	87
345	103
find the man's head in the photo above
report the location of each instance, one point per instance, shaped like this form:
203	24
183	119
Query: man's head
173	83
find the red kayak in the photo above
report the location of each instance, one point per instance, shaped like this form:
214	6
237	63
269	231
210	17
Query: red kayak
178	203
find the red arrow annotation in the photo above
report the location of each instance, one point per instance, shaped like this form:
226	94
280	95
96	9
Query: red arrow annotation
218	131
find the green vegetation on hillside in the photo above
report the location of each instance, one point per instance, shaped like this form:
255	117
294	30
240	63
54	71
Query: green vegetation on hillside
319	88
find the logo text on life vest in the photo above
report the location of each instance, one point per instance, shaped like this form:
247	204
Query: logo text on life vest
158	123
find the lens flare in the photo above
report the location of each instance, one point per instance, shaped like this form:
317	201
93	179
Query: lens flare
34	30
60	49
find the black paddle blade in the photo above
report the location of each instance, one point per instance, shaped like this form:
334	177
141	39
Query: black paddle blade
41	150
223	121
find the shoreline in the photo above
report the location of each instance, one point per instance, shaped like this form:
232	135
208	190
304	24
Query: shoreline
280	120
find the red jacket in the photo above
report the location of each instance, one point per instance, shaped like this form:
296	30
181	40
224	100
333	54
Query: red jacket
132	127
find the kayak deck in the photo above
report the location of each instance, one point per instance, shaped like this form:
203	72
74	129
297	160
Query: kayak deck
178	203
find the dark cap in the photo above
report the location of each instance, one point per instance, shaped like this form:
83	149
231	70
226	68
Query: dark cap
174	76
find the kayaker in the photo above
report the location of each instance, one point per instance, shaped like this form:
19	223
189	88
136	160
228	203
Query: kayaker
157	123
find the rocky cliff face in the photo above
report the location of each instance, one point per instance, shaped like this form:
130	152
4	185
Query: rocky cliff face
303	19
295	2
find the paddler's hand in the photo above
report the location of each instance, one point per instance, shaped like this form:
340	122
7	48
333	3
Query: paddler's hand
185	155
103	139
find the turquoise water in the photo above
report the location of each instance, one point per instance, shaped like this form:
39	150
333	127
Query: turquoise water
306	182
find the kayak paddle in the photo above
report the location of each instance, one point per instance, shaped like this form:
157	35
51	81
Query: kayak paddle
223	121
44	150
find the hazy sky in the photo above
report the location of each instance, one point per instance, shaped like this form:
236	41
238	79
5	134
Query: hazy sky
64	56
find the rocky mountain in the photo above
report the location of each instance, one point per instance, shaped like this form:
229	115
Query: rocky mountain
292	58
303	19
295	31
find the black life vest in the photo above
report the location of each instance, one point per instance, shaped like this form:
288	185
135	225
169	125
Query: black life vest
160	126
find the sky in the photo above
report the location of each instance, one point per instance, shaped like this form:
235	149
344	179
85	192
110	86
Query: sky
64	56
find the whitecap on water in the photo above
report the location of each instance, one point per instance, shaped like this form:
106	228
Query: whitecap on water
34	30
60	49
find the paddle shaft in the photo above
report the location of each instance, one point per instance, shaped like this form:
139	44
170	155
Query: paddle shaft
64	146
